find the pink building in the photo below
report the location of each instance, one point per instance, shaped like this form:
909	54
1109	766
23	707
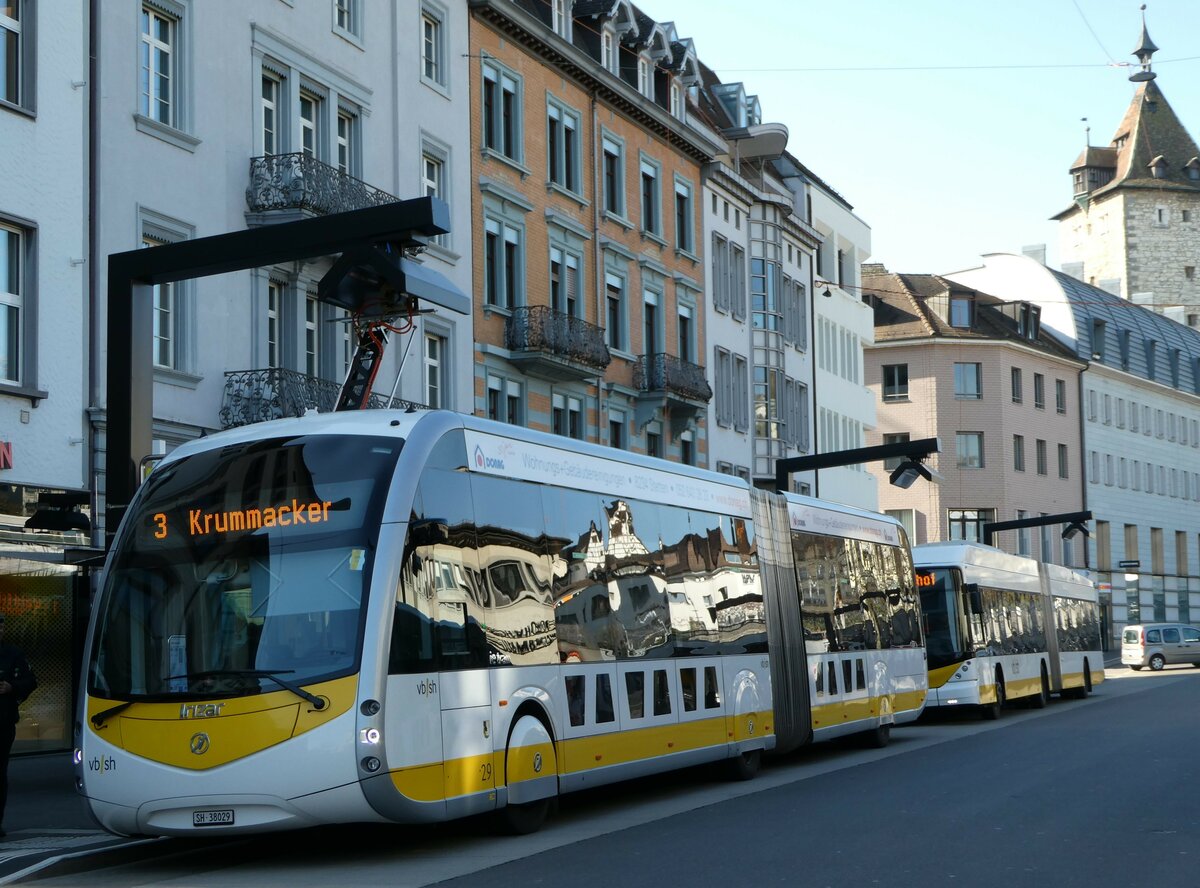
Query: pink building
979	373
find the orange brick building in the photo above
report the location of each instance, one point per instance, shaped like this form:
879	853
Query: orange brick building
586	224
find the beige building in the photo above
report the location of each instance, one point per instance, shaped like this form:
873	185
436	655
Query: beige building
980	374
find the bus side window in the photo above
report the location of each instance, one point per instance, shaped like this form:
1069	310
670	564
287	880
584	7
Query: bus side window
712	690
604	699
635	683
833	677
576	698
662	693
687	681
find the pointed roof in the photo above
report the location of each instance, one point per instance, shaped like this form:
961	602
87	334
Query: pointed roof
1150	129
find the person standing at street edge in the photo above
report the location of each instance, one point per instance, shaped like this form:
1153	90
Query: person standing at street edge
16	684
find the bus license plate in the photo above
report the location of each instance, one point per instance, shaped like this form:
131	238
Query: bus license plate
223	817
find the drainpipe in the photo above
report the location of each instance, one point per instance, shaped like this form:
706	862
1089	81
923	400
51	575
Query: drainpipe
812	332
597	252
93	263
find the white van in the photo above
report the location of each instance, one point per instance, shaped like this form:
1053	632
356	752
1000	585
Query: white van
1159	644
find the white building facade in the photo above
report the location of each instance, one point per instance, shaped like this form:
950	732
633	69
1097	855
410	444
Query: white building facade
43	251
213	119
1140	397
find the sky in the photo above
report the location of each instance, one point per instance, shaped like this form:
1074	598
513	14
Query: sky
968	151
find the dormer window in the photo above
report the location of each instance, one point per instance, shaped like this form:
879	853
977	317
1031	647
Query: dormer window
1029	321
1192	168
1098	335
961	310
1158	167
645	72
677	102
560	15
608	50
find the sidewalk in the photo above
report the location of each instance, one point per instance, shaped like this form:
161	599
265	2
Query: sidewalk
46	820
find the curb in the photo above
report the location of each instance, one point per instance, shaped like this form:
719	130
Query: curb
118	852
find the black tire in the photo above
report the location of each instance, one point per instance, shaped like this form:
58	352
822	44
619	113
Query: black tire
521	820
991	711
745	766
878	737
1136	668
1042	697
1083	690
1157	662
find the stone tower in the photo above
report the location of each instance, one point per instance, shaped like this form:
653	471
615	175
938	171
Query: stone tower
1134	226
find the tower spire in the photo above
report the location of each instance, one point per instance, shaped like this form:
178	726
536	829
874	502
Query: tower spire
1145	49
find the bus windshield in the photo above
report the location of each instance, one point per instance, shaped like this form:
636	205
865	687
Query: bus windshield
242	563
943	626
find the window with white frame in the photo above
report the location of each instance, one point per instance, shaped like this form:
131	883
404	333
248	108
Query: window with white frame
564	282
310	115
312	335
562	146
614	176
645	77
433	179
502	264
678	106
560	18
13	303
616	429
614	312
652	323
159	65
275	291
566	416
15	53
651	198
346	142
684	239
434	370
505	401
687	333
347	18
269	106
172	324
609	50
433	45
687	448
501	111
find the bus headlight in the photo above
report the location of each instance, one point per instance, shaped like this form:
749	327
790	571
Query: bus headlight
77	756
369	735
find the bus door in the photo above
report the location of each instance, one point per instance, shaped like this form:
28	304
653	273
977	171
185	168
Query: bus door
1050	624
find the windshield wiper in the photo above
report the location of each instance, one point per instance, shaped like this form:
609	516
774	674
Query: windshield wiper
317	702
101	717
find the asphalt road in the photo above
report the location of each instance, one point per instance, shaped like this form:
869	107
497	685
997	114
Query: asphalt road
1092	793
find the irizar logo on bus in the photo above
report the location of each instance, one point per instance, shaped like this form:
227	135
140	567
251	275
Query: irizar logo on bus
200	710
487	462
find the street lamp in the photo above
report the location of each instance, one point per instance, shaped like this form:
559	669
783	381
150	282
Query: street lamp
1075	522
906	474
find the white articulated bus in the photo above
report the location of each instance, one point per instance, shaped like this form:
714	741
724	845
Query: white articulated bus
385	616
1002	627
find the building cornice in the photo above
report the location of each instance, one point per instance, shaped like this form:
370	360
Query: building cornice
509	19
934	341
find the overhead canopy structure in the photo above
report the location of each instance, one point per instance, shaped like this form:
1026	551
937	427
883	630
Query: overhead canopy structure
373	242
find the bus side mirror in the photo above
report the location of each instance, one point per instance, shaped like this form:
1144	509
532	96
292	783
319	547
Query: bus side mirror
974	596
430	532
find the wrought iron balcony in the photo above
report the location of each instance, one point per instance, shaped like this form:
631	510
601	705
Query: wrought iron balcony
672	375
273	393
555	345
300	182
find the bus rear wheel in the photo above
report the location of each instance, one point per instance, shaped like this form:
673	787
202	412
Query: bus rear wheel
1083	690
1042	697
878	737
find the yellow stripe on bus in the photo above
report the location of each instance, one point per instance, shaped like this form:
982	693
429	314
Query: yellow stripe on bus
942	674
847	711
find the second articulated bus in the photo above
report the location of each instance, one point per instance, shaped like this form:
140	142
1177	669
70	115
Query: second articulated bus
1002	627
384	616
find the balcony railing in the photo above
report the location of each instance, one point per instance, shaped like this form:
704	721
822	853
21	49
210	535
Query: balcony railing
539	328
667	373
300	182
273	393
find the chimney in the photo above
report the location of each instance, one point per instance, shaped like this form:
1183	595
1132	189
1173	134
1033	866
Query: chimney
1036	252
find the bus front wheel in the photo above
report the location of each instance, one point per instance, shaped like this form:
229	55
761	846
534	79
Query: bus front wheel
521	820
991	711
